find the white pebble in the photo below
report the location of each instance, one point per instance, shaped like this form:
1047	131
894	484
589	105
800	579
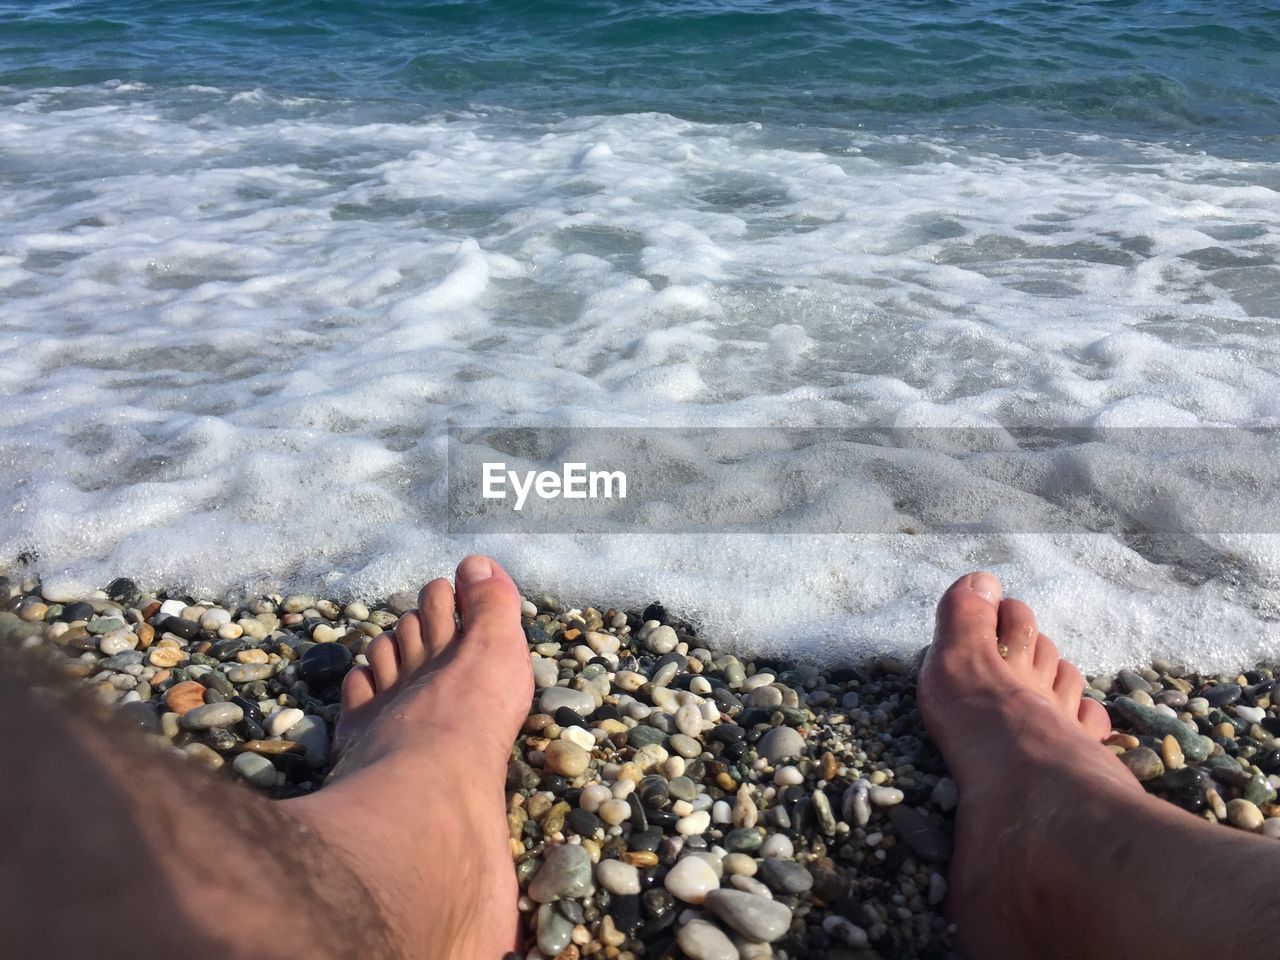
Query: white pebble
693	824
845	931
788	776
592	796
721	812
620	879
578	735
690	879
777	846
614	812
883	796
282	720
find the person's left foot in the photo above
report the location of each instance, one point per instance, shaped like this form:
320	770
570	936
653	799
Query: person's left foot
416	802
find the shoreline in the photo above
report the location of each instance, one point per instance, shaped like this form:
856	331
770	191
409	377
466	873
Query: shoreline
661	795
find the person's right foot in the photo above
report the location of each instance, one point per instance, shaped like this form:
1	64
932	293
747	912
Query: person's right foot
1023	746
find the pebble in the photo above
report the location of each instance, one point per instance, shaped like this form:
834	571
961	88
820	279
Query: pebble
117	642
777	845
212	715
554	930
279	722
553	698
701	940
780	743
620	879
1244	814
565	872
312	733
248	672
884	796
184	697
324	665
756	918
690	880
258	770
567	758
1153	722
1143	762
926	841
785	876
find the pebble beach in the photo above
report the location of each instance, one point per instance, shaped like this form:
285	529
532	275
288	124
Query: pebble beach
666	798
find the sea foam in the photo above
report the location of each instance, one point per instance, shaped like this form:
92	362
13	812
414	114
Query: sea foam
237	328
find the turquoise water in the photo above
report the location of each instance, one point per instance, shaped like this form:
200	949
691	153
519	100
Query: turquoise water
1206	72
257	258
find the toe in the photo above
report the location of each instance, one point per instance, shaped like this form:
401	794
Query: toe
1068	685
357	689
487	599
492	641
409	639
966	617
384	661
1045	660
436	608
1093	717
1018	633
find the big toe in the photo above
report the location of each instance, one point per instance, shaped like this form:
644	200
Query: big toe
492	648
968	615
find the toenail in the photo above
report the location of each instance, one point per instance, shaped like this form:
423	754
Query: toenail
985	585
473	570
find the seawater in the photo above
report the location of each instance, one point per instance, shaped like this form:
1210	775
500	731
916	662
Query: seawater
256	259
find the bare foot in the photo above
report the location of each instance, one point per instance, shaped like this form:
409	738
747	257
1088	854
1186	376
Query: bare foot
416	800
1024	747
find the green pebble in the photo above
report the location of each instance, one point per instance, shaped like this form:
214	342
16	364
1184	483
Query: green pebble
1151	721
644	735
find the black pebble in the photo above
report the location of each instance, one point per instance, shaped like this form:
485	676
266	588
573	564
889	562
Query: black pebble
726	733
653	791
186	629
654	611
225	650
661	818
324	664
122	588
606	711
657	902
583	822
1221	695
76	611
250	708
648	839
250	729
625	911
141	715
295	768
567	718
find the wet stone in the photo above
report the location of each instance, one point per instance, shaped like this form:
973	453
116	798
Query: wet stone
211	715
1143	762
324	665
1151	721
785	876
756	918
1222	694
701	940
780	743
256	769
926	841
565	872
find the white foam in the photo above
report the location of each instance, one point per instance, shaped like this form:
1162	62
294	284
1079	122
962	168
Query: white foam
230	358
